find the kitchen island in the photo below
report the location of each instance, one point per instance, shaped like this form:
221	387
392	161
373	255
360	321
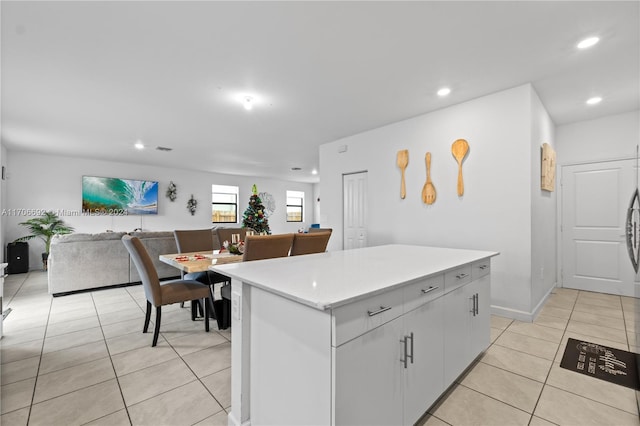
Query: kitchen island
364	336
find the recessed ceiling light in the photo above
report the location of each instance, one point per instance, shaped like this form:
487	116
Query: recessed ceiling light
444	91
139	145
314	172
594	100
588	42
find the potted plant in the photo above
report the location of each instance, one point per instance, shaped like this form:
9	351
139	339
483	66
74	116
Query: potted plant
45	227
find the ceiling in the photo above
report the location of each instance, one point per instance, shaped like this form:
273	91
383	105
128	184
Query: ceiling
88	79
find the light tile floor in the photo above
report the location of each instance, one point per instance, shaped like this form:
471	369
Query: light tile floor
81	359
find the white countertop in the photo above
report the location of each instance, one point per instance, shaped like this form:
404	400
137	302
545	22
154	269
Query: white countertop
331	279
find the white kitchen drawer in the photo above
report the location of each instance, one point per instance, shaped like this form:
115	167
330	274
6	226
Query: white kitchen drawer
355	319
457	277
419	293
480	269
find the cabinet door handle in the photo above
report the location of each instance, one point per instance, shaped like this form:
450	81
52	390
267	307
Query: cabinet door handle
477	304
379	311
461	276
411	356
483	267
473	308
430	289
404	360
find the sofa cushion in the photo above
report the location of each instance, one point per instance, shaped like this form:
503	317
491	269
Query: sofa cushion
152	234
70	238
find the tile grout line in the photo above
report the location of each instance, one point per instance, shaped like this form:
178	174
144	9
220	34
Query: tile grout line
115	373
544	385
35	383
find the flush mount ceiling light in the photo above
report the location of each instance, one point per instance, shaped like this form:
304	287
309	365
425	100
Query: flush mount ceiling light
588	42
594	100
139	144
247	103
444	91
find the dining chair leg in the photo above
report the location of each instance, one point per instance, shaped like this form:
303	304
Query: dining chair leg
194	310
156	331
147	317
207	306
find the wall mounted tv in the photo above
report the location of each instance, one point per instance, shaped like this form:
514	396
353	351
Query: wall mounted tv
114	196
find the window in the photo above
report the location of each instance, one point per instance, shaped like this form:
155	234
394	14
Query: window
295	204
224	204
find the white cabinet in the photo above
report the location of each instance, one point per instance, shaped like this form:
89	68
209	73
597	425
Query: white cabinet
392	374
369	385
466	325
423	376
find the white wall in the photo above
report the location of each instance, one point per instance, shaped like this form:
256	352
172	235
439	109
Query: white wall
3	202
37	181
495	212
543	208
609	138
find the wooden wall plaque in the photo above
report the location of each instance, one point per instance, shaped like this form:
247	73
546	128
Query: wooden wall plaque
548	173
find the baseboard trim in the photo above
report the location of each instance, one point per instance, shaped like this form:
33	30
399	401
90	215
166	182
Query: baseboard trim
107	287
521	315
87	290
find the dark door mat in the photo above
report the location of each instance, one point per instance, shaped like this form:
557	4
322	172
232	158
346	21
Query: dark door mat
604	363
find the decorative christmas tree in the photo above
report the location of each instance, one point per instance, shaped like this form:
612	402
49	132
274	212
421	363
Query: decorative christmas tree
254	217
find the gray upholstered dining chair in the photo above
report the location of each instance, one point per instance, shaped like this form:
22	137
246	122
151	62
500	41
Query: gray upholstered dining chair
167	293
224	234
315	242
195	240
312	230
257	247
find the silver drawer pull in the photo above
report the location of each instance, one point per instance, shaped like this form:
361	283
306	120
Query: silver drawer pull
461	276
430	289
483	267
379	311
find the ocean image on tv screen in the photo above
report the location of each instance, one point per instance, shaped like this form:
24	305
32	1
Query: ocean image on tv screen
119	196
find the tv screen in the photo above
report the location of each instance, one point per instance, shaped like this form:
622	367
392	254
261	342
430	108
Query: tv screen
113	196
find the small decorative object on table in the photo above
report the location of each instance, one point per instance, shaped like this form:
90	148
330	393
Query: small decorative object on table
192	204
234	248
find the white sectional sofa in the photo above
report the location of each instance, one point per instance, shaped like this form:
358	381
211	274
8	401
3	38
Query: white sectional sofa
80	262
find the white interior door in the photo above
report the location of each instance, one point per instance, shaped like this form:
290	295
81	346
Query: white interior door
354	189
595	199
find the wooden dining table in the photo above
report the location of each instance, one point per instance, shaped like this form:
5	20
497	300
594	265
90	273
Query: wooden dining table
198	261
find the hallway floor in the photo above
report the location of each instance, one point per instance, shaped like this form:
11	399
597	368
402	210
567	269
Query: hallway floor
81	359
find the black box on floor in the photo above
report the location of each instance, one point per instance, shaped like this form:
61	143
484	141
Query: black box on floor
222	309
18	258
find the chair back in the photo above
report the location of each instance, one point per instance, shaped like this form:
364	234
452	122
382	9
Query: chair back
258	247
329	230
146	270
315	242
224	234
192	240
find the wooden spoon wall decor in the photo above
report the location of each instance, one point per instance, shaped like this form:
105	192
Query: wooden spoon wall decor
428	190
459	149
403	161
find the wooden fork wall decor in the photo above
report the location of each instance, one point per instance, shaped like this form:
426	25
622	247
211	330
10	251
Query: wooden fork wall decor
402	160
